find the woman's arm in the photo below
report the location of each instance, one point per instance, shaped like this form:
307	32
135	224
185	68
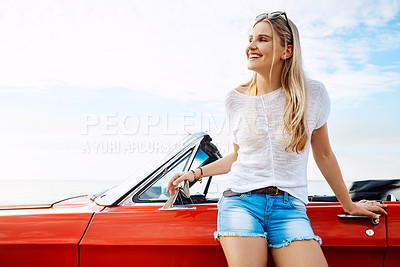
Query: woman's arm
329	167
220	166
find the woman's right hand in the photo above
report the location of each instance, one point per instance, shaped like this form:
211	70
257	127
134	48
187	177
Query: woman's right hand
367	207
177	178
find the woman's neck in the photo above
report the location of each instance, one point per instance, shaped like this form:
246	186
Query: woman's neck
265	85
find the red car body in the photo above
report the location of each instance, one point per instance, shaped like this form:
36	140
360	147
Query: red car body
83	232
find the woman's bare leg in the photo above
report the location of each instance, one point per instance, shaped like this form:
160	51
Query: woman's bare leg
245	251
299	253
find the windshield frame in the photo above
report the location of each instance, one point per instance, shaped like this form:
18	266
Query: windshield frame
114	196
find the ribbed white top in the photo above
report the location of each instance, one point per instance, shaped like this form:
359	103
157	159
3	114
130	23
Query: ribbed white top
255	124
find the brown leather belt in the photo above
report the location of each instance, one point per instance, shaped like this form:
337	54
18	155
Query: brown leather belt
270	190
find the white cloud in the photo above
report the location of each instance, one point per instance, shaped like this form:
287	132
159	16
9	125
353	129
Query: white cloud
325	18
355	86
182	50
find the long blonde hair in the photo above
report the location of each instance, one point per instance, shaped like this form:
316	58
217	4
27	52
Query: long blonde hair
294	83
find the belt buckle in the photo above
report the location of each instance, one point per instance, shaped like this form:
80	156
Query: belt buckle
272	189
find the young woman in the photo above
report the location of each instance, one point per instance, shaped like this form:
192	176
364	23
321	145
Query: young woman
275	118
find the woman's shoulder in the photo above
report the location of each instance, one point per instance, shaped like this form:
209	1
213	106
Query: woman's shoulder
232	95
319	103
315	86
317	89
233	100
318	96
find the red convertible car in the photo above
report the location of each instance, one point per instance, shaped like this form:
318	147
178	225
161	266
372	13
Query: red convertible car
137	224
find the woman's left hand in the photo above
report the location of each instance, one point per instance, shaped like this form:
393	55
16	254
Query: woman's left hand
367	207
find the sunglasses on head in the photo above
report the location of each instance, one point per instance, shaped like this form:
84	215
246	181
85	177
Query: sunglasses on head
273	15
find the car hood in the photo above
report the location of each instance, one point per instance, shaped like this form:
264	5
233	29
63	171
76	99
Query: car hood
75	200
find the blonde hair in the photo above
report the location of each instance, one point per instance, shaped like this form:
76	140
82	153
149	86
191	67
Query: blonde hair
294	83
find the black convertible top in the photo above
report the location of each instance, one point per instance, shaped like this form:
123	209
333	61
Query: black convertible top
378	189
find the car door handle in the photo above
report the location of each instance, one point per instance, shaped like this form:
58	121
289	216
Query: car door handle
349	216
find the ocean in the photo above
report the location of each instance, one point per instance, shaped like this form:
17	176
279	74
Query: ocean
48	191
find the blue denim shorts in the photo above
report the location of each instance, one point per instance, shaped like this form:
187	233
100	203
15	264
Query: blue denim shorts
280	219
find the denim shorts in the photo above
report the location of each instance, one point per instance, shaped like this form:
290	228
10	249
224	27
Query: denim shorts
280	219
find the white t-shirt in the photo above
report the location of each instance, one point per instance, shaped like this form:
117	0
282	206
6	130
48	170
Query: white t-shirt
255	125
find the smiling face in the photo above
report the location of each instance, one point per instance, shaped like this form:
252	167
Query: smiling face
260	49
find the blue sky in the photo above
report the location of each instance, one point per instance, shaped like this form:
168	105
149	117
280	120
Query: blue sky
164	67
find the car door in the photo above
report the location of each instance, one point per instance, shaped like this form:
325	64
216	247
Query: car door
141	234
347	240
